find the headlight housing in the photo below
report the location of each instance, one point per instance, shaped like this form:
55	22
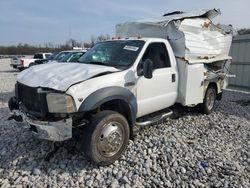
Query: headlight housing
60	103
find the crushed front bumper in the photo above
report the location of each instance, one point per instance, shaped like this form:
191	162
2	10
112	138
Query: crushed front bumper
53	131
47	130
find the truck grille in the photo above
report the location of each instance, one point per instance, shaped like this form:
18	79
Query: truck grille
29	97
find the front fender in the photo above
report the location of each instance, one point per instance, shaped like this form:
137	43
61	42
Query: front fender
104	95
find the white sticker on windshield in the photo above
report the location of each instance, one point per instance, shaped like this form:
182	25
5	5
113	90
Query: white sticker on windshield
131	48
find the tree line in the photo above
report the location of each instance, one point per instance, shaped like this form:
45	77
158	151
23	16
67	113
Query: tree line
26	49
244	31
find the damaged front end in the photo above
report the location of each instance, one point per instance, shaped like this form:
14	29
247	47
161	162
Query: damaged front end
53	131
41	100
50	122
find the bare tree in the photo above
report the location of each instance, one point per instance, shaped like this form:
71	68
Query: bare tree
243	31
101	38
87	45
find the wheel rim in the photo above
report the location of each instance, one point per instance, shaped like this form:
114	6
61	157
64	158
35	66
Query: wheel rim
110	139
210	99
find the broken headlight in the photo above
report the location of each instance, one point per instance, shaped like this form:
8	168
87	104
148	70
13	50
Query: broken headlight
60	103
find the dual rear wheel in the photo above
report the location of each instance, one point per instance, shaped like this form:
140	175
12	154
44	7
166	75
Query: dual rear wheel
209	101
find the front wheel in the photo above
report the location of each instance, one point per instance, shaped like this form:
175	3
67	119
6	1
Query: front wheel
31	64
20	68
106	138
209	101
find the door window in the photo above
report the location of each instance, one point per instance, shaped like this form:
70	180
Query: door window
158	54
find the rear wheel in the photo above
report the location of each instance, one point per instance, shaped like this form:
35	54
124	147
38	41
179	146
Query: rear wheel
106	138
209	101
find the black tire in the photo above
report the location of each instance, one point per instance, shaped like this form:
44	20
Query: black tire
209	101
105	127
31	64
20	68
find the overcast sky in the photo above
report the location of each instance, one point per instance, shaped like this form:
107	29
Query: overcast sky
55	21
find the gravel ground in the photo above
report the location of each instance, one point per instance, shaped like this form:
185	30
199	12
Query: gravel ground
192	151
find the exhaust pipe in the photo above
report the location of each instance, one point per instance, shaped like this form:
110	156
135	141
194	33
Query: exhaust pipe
154	120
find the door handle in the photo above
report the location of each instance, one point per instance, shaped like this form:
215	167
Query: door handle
173	78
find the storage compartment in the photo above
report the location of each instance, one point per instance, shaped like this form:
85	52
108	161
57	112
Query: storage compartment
191	83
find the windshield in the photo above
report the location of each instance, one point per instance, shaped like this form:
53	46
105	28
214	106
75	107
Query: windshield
52	56
76	57
71	57
119	54
60	55
47	56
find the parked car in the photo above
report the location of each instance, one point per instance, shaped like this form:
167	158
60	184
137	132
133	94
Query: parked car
118	83
25	62
14	62
72	56
42	61
59	56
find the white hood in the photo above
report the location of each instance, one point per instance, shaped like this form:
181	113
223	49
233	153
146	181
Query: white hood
60	76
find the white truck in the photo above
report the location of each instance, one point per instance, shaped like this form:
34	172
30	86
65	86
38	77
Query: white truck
119	81
24	63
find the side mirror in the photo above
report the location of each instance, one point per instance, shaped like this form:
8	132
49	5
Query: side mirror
148	69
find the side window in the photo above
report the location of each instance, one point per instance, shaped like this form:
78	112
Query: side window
38	56
157	53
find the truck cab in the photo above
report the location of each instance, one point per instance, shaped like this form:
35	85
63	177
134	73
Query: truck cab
161	89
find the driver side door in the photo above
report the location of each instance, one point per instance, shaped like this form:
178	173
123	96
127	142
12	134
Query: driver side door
160	91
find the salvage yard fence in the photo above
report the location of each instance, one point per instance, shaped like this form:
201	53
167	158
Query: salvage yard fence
240	52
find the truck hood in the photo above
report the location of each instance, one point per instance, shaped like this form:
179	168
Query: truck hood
60	76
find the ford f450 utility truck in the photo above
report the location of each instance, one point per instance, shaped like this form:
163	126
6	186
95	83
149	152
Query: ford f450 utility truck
182	60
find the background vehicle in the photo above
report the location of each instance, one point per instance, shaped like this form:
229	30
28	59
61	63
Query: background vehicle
14	62
72	56
61	55
118	83
25	62
42	61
